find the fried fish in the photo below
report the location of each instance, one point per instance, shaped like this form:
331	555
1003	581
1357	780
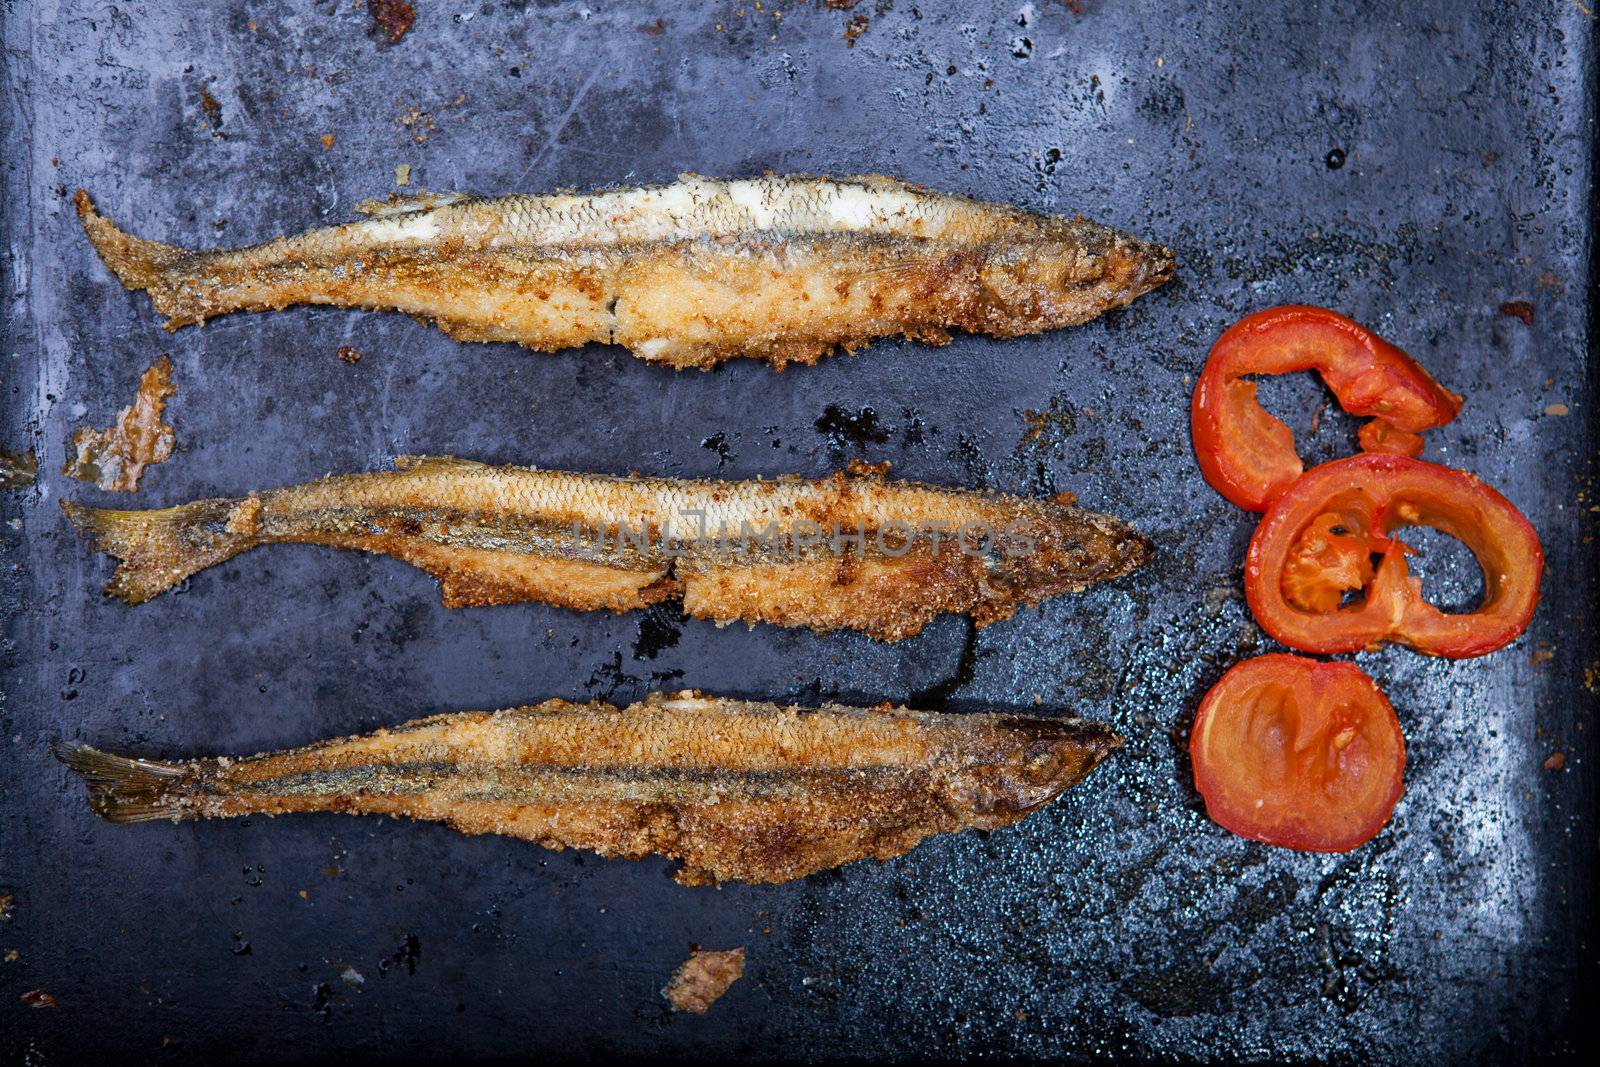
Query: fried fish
736	790
780	268
852	551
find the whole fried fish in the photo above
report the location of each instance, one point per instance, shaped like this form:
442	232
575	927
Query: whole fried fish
738	791
785	269
854	551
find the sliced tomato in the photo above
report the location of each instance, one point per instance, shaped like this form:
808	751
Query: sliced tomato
1385	437
1298	753
1247	455
1310	581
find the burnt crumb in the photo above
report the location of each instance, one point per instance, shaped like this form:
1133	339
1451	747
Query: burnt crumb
612	676
842	5
653	29
1518	309
1050	427
843	429
1334	159
18	470
38	998
348	355
407	955
660	627
213	112
8	907
393	17
718	443
915	427
857	25
240	946
1556	762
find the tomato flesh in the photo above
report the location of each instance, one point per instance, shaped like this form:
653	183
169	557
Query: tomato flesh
1385	437
1289	571
1247	455
1297	753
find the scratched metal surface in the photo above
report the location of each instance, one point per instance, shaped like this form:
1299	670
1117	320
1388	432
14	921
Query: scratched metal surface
1117	923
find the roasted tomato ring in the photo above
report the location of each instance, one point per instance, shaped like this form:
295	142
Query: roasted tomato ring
1298	753
1317	541
1247	455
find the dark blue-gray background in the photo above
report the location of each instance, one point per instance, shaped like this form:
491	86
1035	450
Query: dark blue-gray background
1119	922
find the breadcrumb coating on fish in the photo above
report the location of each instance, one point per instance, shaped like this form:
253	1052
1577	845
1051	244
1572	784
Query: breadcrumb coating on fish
781	268
736	790
853	551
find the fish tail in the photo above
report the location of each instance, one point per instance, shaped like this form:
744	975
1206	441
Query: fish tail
127	790
138	263
160	548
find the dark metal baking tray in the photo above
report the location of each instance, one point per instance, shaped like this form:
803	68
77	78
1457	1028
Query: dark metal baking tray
1414	165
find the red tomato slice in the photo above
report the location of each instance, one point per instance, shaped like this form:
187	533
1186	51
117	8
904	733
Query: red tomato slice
1318	540
1297	753
1247	455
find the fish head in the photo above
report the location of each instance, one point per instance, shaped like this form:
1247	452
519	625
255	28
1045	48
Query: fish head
1032	761
1050	548
1066	275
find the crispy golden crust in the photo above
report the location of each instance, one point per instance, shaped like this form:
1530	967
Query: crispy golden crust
703	978
115	458
738	791
503	535
781	269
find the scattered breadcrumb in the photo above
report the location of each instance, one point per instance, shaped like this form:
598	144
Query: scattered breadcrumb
402	174
348	355
1557	409
862	469
1518	309
393	17
1544	652
327	141
38	998
421	123
857	25
213	112
114	459
12	955
704	977
1556	762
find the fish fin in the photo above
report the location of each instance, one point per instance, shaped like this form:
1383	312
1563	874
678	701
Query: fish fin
137	263
409	205
127	790
160	548
439	465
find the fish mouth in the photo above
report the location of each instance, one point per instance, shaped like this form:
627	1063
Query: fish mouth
1141	266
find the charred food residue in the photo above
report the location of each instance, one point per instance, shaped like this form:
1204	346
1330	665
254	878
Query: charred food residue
115	458
392	17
